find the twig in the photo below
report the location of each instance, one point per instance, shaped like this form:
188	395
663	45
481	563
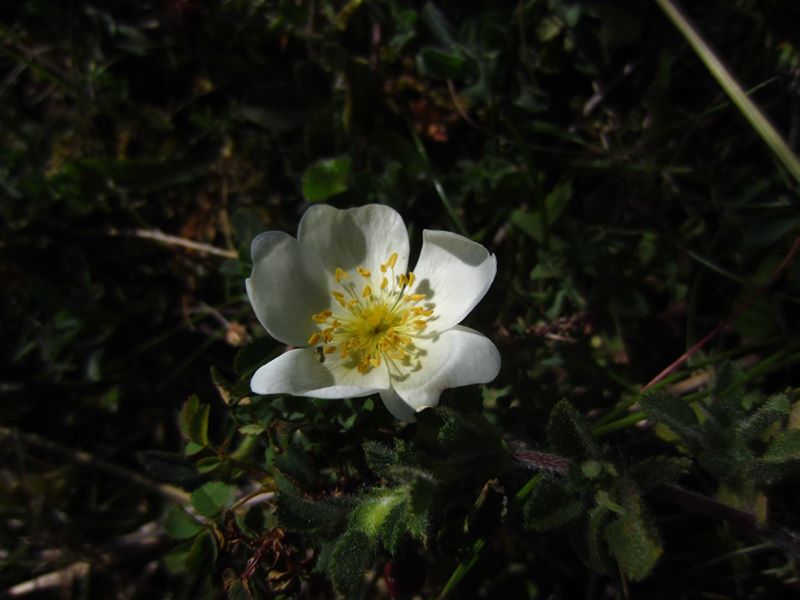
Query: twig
173	240
166	490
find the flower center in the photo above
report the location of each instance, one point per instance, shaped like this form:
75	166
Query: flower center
372	320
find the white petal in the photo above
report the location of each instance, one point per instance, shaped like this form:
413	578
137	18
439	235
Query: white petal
459	356
296	372
454	273
358	237
397	406
288	285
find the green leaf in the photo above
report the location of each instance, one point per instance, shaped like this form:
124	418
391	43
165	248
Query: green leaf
373	510
556	202
202	553
193	421
252	429
786	447
773	411
466	433
634	545
324	516
592	542
326	178
350	558
726	402
438	64
551	504
295	465
568	434
658	470
674	413
210	498
380	458
180	525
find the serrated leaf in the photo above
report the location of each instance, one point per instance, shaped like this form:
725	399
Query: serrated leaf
674	413
372	511
380	458
326	178
658	470
593	542
296	465
180	525
634	545
350	558
773	411
210	498
324	516
193	420
551	504
786	447
466	433
568	434
726	403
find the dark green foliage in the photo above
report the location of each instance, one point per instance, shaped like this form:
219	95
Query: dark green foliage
551	504
629	205
654	471
633	542
743	449
210	498
568	434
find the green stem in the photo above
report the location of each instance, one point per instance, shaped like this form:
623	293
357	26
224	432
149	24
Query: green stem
742	101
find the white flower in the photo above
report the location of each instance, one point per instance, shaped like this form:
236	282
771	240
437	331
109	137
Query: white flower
362	322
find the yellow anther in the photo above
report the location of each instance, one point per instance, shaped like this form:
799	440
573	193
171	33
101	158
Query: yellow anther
323	316
341	275
339	297
370	328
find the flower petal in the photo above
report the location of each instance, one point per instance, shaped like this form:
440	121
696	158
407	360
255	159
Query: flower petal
288	285
358	237
459	356
454	273
297	372
397	406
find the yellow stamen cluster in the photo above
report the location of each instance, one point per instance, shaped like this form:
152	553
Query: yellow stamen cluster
367	325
